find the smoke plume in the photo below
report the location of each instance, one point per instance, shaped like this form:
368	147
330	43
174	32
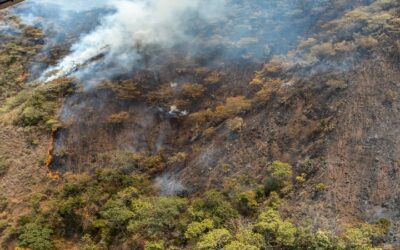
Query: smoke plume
169	185
116	45
111	38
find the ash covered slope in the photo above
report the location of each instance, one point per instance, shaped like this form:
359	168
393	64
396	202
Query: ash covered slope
332	104
333	114
330	107
314	84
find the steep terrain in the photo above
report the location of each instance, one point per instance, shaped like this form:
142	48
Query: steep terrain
323	96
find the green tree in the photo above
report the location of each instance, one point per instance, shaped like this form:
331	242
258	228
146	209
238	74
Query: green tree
281	171
35	236
361	237
246	203
87	243
280	177
213	206
248	237
116	213
282	232
157	216
323	240
237	245
127	194
215	239
159	245
196	229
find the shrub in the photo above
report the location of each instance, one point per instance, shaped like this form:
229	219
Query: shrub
35	236
280	177
235	124
196	229
281	171
209	132
307	43
265	93
31	116
237	245
320	187
17	52
246	203
72	189
67	214
39	106
128	194
215	239
274	200
177	158
213	206
323	50
193	90
250	238
3	203
156	216
158	245
271	185
213	78
361	237
233	106
367	42
127	161
161	96
301	178
257	80
152	164
3	167
282	231
118	117
323	240
357	238
344	46
116	213
383	226
125	90
3	225
88	244
275	66
202	117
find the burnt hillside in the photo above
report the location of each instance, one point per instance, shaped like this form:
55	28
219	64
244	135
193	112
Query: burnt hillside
274	120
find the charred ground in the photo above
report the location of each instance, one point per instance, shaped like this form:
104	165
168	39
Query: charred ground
329	107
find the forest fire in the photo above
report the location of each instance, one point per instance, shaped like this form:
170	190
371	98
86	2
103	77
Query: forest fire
199	124
49	160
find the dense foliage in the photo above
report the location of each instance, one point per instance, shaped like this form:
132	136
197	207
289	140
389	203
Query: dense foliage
113	210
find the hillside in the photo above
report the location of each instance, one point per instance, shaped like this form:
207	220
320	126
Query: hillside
272	125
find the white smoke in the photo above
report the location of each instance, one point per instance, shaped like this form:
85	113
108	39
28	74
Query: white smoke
73	5
132	26
169	185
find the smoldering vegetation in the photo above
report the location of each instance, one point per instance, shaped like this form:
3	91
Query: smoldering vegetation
206	97
169	185
182	66
117	37
146	66
194	44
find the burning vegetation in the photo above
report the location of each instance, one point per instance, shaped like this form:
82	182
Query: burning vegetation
191	125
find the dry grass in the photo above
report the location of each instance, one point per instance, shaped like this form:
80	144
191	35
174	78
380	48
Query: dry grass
26	172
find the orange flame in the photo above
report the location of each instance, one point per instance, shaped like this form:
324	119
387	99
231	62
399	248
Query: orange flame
51	174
